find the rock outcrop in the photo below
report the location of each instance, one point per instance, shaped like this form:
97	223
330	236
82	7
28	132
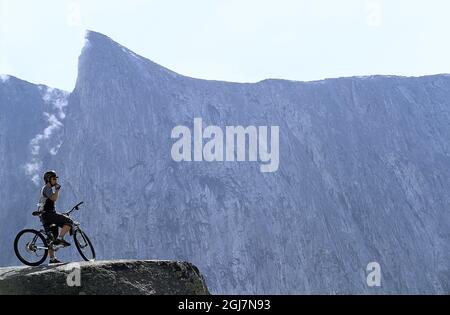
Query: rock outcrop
119	277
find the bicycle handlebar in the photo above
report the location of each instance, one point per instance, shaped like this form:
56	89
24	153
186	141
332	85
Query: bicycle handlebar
74	208
79	204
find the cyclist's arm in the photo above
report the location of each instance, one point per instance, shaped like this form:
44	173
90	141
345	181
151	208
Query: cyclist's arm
54	196
48	192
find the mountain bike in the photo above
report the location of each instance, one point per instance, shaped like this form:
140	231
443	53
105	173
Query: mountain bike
32	246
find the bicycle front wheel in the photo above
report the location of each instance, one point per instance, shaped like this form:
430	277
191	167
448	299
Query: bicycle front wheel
31	247
84	245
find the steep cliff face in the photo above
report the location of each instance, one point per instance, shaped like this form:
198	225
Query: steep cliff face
363	176
129	277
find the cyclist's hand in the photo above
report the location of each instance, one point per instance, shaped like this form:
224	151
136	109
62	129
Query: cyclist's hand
57	186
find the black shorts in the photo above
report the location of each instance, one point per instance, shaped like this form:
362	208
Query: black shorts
56	218
60	220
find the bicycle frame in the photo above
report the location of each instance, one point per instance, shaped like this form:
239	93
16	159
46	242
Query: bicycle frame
55	248
75	227
48	241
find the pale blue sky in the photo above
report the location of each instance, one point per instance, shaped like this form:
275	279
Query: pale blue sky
243	41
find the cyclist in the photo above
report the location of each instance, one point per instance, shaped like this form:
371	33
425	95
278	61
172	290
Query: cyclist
49	196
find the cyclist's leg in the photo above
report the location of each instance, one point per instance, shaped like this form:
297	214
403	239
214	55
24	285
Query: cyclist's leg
65	223
51	252
64	230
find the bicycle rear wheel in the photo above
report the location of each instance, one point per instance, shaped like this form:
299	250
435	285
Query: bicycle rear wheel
84	245
31	247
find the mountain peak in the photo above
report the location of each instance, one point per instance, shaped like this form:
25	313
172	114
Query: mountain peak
98	41
93	34
102	56
93	37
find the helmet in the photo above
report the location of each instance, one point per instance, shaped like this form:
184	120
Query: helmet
48	175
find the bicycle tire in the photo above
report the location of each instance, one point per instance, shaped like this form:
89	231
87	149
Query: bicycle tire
78	245
16	249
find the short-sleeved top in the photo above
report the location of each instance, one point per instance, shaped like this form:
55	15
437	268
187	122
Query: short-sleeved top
45	203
